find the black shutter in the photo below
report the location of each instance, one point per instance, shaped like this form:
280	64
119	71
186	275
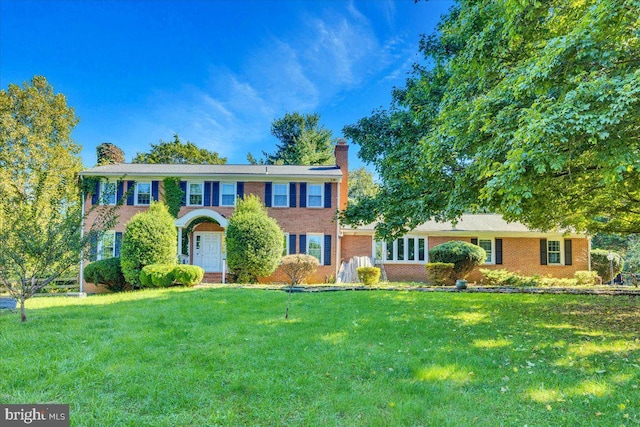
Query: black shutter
207	193
543	251
292	243
498	251
267	194
327	249
183	187
93	247
118	242
327	194
303	194
240	189
95	197
154	191
292	194
303	244
474	241
130	192
119	191
215	196
568	256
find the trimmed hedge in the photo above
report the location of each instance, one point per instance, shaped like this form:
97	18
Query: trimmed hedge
510	279
106	272
298	267
585	277
164	275
188	275
368	275
440	273
464	256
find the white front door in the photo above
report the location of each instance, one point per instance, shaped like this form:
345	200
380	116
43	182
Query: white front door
206	250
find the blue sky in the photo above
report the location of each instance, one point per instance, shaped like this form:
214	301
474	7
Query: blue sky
216	72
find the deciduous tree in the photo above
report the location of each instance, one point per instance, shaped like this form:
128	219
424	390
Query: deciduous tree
176	151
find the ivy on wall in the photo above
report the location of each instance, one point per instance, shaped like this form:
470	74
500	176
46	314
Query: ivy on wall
189	229
173	195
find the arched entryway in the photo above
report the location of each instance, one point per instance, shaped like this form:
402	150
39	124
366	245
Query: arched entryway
201	239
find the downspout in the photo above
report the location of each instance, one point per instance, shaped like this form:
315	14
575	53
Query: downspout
82	237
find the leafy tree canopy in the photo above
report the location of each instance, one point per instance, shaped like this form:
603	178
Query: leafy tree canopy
361	184
109	154
172	152
303	141
529	109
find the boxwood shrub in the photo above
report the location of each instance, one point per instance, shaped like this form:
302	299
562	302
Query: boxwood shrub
106	272
188	275
463	255
159	275
439	273
368	275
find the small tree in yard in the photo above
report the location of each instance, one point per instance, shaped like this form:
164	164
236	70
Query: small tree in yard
150	238
254	241
298	267
464	257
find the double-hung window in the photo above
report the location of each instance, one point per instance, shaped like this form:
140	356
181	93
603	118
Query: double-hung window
227	194
143	193
314	196
553	252
280	195
108	192
487	245
195	193
315	246
406	249
107	245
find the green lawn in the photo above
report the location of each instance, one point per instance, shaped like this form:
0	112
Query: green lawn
185	357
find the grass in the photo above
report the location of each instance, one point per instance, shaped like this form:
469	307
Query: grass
204	357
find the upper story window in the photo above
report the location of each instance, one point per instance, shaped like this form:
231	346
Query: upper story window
227	194
553	252
195	193
107	245
315	246
108	192
143	193
280	195
315	195
487	245
405	249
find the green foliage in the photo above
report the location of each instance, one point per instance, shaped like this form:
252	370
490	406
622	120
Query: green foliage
177	152
584	277
632	257
188	275
106	272
368	275
109	154
440	273
303	141
600	263
157	275
173	195
507	278
463	255
528	109
298	267
254	241
150	238
361	185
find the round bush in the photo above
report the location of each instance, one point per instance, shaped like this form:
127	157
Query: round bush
298	267
464	257
106	272
160	275
440	273
368	275
150	238
188	275
601	264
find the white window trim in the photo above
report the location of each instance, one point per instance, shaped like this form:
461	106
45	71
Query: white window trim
492	261
235	192
103	192
189	183
273	195
561	249
321	236
100	242
309	184
394	250
135	197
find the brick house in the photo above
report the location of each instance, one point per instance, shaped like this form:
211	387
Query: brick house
304	200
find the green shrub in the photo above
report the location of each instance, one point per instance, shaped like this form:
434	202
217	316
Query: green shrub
150	238
463	255
160	275
601	264
504	277
368	275
298	267
145	278
440	273
558	282
585	277
254	241
188	275
106	272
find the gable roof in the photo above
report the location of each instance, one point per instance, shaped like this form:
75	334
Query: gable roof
254	172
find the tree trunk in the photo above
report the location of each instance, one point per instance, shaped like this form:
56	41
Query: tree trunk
23	315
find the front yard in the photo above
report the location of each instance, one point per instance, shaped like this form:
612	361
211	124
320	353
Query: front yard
194	357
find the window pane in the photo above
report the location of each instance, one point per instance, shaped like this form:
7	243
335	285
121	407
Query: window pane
378	251
389	256
144	193
420	249
107	245
314	247
228	194
487	245
400	250
314	194
280	198
195	194
109	193
411	247
553	251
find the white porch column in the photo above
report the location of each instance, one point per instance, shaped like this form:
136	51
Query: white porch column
180	244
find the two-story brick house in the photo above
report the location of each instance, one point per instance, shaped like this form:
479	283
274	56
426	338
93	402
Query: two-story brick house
304	200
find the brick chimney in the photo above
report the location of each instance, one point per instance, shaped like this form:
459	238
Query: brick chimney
342	161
